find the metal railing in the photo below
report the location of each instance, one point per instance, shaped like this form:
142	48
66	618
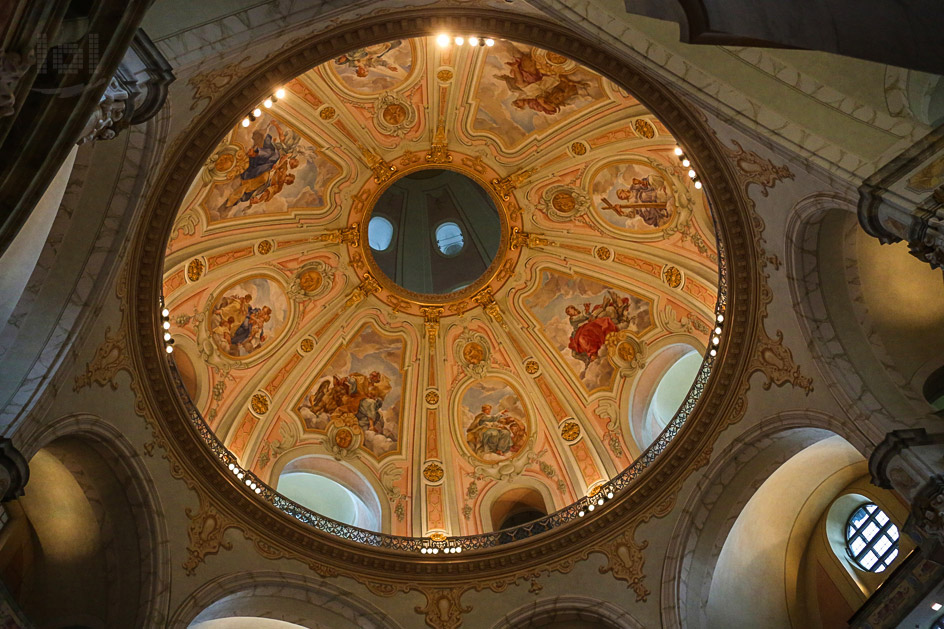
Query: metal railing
572	512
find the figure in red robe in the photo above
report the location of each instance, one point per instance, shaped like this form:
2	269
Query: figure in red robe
590	331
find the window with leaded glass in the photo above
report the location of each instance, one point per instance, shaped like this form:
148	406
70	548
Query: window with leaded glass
871	538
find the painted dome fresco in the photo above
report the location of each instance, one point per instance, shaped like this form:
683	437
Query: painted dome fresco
442	290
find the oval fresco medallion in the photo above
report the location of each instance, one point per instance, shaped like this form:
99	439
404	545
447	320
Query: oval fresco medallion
633	196
248	316
494	424
375	69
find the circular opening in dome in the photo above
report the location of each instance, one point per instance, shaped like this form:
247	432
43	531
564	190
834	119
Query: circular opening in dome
442	231
379	233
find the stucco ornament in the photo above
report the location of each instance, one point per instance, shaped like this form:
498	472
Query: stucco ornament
394	115
563	204
473	353
311	281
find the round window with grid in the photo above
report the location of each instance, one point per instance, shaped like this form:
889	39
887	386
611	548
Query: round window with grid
871	538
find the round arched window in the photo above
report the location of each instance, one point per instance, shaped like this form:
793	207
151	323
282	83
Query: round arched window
449	238
379	233
871	538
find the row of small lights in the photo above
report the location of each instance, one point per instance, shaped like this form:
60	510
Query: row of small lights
241	475
434	550
267	103
716	338
594	501
444	40
165	328
687	163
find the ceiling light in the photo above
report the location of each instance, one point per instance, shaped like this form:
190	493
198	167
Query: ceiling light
691	174
473	41
165	312
697	185
715	340
678	151
280	93
256	112
686	163
600	501
489	42
717	330
581	513
166	336
169	349
166	325
442	40
591	507
609	495
713	352
459	41
258	490
720	318
935	606
245	122
267	103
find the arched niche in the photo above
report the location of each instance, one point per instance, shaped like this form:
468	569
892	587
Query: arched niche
330	487
775	554
710	509
660	389
569	612
267	597
829	581
245	622
518	505
933	390
519	499
83	545
869	309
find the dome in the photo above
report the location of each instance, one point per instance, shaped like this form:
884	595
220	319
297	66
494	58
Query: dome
314	311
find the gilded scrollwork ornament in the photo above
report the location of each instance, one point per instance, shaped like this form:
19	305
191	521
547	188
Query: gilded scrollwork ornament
506	185
350	235
367	287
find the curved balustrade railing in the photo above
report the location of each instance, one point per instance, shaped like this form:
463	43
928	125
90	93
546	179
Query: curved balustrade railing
483	540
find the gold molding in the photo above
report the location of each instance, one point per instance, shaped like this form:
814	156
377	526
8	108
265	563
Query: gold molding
454	303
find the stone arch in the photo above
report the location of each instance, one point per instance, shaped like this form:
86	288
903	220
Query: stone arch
577	612
729	482
95	459
855	366
353	475
488	504
636	401
282	596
